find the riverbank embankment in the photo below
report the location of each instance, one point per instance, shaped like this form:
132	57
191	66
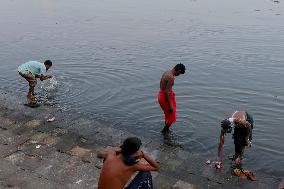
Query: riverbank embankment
36	154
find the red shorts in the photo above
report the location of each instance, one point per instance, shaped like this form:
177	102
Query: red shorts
170	117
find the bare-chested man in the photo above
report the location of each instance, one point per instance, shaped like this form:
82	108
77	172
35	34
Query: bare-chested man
166	95
120	163
242	122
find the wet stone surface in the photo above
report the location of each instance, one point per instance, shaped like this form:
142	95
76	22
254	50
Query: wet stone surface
39	154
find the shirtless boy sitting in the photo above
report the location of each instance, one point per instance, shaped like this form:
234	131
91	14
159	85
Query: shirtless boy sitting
120	163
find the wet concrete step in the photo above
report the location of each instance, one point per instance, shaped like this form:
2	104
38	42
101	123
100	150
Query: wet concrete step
53	154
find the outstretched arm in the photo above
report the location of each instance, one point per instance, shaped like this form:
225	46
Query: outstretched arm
218	164
220	146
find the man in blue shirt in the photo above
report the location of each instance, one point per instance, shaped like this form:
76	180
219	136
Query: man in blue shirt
32	70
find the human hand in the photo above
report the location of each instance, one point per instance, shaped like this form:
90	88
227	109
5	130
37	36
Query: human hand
218	164
248	142
117	150
140	154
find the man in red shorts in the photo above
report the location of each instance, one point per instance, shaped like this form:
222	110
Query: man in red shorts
166	95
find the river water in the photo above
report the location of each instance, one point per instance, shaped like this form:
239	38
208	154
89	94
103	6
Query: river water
109	56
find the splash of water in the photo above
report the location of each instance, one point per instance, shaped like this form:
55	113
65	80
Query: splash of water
49	85
48	91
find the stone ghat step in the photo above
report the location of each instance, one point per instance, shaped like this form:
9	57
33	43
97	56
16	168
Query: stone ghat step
63	157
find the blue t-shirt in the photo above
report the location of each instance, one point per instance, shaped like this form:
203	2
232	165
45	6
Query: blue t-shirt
34	67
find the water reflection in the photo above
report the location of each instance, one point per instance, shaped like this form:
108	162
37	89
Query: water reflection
109	56
170	139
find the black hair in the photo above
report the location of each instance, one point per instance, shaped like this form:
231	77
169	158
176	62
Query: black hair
180	67
48	62
130	146
226	124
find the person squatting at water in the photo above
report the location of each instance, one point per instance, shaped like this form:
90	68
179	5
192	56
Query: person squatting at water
242	122
31	71
120	163
166	96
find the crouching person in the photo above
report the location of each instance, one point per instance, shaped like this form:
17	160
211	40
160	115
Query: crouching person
121	163
242	124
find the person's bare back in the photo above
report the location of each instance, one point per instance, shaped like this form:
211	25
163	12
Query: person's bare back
167	81
120	163
240	118
115	169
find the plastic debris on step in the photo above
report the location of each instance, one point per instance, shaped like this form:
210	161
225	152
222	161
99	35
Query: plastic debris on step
51	119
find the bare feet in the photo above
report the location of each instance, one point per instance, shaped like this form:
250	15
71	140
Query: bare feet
218	165
245	174
31	99
239	173
166	129
249	175
236	161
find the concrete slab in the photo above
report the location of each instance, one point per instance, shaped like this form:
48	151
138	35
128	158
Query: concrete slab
7	168
49	155
6	123
34	123
183	185
80	152
27	180
6	137
67	142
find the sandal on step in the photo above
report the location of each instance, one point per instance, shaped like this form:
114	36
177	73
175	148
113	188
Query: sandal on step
249	175
239	173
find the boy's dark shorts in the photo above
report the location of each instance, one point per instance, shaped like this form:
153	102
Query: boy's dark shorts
239	135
